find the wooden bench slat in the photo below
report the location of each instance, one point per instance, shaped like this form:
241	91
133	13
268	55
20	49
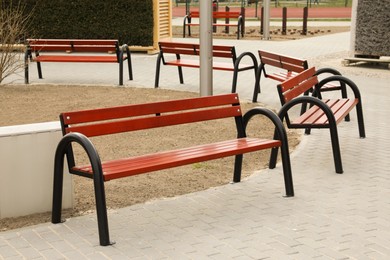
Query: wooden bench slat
163	160
272	62
282	76
47	58
102	114
216	14
341	107
154	121
72	41
75	48
315	116
216	65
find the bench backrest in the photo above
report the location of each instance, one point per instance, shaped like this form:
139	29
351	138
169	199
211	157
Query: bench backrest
283	62
120	119
216	14
194	49
297	85
73	45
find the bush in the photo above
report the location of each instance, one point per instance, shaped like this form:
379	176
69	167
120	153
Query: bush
13	29
129	21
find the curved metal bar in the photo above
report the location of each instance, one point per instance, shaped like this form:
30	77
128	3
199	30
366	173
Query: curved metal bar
126	48
158	66
240	28
186	18
257	88
27	56
327	70
237	67
121	67
359	107
341	79
280	134
342	87
98	178
331	121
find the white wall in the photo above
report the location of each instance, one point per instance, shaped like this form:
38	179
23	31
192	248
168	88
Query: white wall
26	169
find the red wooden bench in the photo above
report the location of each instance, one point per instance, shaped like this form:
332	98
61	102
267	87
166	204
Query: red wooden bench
80	126
323	113
180	49
68	50
285	67
227	15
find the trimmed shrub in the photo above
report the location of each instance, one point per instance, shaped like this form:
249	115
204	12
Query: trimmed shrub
129	21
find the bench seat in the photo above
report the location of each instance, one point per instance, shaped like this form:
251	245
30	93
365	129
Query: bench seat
153	162
60	58
315	117
196	64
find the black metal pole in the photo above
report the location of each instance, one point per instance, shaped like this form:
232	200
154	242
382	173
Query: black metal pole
305	15
284	21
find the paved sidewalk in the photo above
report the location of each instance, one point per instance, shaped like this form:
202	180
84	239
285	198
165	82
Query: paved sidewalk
332	216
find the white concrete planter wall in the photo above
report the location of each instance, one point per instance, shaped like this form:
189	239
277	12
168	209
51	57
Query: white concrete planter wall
26	169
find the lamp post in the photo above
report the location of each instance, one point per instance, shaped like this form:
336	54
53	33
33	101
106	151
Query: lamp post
206	48
266	7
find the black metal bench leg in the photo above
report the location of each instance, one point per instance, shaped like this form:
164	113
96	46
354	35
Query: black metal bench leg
57	188
26	72
234	84
179	68
287	173
237	168
359	111
26	57
158	66
336	148
344	95
101	209
130	67
39	70
257	88
121	72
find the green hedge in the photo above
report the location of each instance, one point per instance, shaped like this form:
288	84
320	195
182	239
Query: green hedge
130	21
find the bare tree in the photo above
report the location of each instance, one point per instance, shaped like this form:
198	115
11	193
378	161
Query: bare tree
13	30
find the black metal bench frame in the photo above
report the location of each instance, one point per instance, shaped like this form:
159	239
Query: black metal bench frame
79	126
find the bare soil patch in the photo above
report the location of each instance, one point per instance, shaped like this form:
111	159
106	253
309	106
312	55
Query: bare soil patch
22	104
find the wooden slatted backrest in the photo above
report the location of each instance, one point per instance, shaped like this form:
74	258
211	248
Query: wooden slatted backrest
293	64
269	58
217	14
226	14
297	85
120	119
179	48
283	62
220	51
194	14
73	45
